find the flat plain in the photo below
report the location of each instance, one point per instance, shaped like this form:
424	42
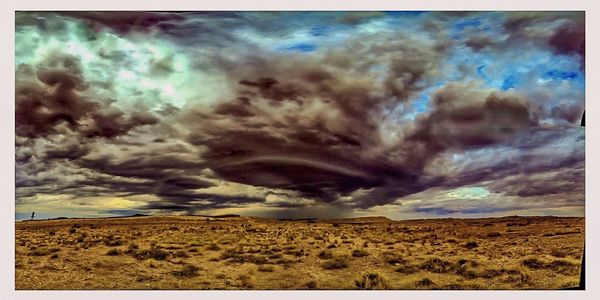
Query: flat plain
241	253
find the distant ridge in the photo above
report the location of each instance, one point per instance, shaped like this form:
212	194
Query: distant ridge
356	220
359	220
219	216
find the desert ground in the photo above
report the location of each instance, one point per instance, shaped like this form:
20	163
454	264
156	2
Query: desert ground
238	253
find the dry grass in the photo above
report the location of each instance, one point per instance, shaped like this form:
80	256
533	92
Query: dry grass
252	253
372	281
336	263
187	271
360	253
266	268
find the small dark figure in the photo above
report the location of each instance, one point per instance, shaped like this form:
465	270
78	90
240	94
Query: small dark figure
32	215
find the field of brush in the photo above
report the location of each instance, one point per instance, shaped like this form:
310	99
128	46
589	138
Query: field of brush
252	253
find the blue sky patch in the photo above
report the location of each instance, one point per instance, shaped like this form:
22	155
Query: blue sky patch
421	104
302	47
509	83
461	25
561	75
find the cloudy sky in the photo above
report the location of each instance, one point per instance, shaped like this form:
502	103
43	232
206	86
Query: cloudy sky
300	114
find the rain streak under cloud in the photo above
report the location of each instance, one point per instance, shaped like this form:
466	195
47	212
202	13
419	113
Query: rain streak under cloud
300	114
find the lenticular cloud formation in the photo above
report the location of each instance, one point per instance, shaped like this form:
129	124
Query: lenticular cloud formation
300	114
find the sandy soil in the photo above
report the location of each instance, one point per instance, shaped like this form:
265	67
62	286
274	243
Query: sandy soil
253	253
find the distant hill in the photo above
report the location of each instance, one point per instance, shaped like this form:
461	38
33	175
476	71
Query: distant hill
360	220
219	216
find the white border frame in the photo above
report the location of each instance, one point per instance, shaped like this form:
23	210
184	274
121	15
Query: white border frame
7	133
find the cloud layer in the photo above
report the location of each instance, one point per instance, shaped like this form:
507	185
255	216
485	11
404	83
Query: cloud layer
299	114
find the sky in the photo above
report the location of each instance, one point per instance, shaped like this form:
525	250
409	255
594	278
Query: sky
403	114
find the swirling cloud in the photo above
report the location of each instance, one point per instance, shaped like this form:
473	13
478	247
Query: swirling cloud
299	114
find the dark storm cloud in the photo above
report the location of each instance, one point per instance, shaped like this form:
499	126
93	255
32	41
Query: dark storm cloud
97	186
52	108
50	99
188	183
556	182
39	111
322	154
67	151
358	17
115	123
325	161
535	137
518	22
569	113
335	125
529	167
105	177
312	166
168	175
270	88
127	21
209	29
60	175
151	166
235	109
181	201
464	118
478	43
568	38
23	155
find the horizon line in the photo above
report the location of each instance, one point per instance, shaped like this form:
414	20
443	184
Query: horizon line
225	216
